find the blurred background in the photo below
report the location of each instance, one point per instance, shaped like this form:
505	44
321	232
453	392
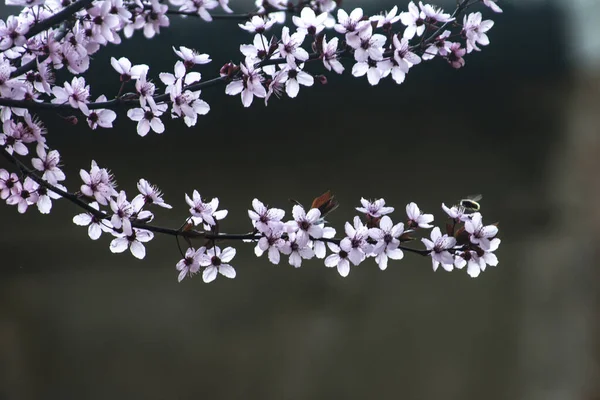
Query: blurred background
519	124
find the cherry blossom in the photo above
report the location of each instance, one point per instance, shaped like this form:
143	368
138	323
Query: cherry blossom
339	259
330	57
126	70
216	262
47	163
309	23
75	93
95	225
414	20
131	239
265	219
150	194
297	249
492	4
24	196
271	242
387	241
355	243
417	218
249	86
190	264
475	30
305	224
439	246
148	118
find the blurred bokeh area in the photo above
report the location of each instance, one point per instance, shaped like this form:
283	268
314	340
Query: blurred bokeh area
519	124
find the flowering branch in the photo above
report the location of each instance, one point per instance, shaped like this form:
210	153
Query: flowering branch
32	50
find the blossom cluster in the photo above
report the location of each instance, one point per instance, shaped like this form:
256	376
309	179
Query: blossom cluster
50	35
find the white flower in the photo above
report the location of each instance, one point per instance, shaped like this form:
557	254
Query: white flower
48	164
12	32
319	245
146	90
375	70
249	86
190	264
9	184
265	219
388	20
308	22
290	47
95	225
126	70
75	93
12	141
480	234
200	7
476	262
271	242
152	20
350	23
339	259
45	196
433	15
187	104
355	243
367	45
475	31
439	46
258	24
294	78
122	212
24	196
414	21
416	217
191	57
204	212
492	4
330	59
151	194
296	250
148	118
98	183
132	239
387	241
374	209
100	117
438	247
403	59
457	213
216	262
305	225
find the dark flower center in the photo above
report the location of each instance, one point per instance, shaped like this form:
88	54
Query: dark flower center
216	261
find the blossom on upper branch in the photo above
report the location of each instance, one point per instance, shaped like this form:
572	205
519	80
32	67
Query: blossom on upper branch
258	24
204	212
305	225
191	57
414	20
434	14
271	242
416	217
12	32
367	45
386	21
150	194
126	70
474	29
350	24
290	47
265	219
355	243
294	77
387	241
100	117
374	209
310	23
492	4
